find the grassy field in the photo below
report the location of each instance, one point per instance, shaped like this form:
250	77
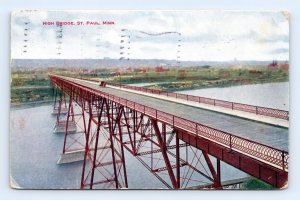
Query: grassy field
34	85
197	78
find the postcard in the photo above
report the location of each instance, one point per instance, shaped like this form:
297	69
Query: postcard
149	99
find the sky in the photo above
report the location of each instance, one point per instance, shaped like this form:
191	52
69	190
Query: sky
192	35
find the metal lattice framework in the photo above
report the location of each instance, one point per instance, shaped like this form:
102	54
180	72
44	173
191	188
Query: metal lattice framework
171	148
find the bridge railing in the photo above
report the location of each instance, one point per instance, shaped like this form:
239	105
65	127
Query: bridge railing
264	153
271	112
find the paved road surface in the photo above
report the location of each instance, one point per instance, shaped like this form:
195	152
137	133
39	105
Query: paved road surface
263	133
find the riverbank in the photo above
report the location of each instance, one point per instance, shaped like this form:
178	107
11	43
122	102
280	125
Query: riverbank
199	78
194	85
24	105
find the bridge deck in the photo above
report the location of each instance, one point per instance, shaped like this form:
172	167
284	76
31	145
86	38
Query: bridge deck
276	137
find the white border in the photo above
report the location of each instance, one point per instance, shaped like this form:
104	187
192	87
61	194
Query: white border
292	6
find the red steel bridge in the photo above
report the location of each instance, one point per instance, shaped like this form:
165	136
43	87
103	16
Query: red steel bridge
180	145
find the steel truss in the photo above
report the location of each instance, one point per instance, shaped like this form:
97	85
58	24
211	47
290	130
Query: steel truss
60	104
105	129
108	125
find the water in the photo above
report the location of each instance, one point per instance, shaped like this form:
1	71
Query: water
272	95
35	149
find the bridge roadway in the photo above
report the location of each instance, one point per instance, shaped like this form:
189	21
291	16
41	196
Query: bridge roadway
270	135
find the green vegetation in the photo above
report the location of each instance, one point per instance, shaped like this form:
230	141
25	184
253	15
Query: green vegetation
255	184
31	85
205	77
19	95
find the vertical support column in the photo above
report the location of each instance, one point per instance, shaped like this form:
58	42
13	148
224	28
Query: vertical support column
83	102
87	135
67	123
109	115
96	146
72	111
151	147
127	122
54	95
134	132
122	148
164	153
164	134
219	174
177	161
59	108
216	175
65	103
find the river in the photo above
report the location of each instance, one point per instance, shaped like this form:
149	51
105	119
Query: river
273	95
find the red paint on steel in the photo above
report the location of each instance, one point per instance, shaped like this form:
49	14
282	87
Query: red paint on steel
270	174
268	163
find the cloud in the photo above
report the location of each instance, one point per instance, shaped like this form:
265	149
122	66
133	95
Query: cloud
277	38
205	35
280	51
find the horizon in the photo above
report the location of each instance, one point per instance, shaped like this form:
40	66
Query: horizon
150	59
135	63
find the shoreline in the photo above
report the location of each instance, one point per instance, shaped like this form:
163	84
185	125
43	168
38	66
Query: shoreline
24	105
224	85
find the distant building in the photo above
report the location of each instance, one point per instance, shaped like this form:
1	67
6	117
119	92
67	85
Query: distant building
276	65
142	70
284	66
129	69
160	69
273	65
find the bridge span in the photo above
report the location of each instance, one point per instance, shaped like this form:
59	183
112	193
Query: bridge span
169	137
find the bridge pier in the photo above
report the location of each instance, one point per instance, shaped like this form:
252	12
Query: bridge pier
71	156
62	111
60	127
60	105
